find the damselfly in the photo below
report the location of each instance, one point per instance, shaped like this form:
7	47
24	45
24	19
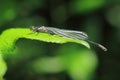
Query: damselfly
79	35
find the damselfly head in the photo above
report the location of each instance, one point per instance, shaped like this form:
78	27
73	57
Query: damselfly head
38	29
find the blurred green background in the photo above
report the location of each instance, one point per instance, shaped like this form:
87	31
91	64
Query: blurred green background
37	60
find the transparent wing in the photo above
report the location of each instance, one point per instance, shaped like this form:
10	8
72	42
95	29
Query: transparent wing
68	33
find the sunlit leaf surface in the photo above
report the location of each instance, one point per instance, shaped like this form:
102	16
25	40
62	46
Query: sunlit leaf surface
10	36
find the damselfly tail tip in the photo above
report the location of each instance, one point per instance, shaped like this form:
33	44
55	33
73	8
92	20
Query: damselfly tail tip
102	47
99	45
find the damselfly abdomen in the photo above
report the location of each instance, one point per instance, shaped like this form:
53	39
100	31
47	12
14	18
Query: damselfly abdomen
79	35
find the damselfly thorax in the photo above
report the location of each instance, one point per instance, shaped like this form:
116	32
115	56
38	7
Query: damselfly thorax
79	35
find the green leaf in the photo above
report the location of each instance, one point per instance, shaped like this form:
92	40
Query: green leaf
10	36
3	67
